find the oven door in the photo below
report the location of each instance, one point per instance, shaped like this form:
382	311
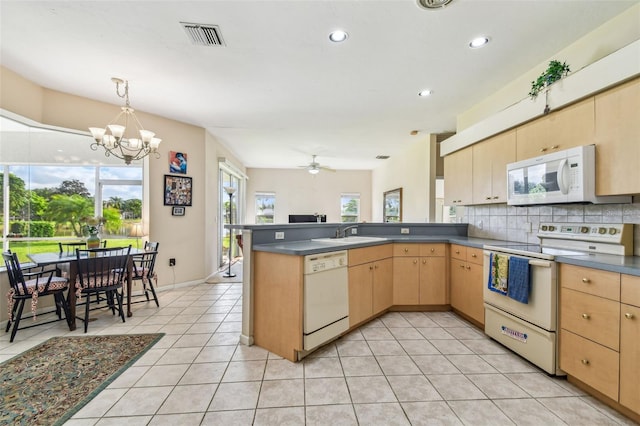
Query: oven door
543	298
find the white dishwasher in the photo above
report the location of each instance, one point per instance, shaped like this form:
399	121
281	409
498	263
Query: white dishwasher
326	297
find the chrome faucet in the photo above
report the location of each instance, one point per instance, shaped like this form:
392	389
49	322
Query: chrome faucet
342	232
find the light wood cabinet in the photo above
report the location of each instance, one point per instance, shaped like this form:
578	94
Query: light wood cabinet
370	282
559	130
600	332
490	159
466	282
630	343
458	189
617	132
419	274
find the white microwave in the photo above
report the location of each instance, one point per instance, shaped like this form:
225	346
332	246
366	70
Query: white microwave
567	176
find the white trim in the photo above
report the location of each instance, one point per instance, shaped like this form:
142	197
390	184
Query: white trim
609	71
231	168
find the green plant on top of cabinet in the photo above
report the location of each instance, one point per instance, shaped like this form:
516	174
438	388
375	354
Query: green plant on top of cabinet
490	159
617	138
458	189
370	282
419	274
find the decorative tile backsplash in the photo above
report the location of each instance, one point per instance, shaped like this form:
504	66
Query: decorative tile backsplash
503	222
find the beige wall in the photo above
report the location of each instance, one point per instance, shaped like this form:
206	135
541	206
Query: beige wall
414	171
187	238
299	192
609	37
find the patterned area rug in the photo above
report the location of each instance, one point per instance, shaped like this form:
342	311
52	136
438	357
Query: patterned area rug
49	383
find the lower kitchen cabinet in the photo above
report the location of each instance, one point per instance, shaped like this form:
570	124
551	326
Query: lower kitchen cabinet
630	343
370	282
466	282
419	274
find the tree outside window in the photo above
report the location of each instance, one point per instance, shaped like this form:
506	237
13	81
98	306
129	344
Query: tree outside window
265	207
350	207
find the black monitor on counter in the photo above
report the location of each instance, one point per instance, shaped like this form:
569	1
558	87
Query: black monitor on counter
305	218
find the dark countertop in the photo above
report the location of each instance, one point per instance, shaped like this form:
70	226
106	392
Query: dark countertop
608	262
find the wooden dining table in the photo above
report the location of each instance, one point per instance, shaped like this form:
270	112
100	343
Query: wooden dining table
50	259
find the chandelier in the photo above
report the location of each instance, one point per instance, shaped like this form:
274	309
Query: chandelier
118	138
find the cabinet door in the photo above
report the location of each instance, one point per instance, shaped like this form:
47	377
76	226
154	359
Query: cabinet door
382	285
406	273
433	283
532	139
360	293
457	287
630	357
457	178
617	133
473	291
481	181
503	149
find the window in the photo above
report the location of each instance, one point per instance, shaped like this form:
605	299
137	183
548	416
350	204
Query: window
350	207
265	207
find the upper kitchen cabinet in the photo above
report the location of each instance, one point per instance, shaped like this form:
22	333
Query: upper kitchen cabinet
564	129
490	159
457	178
617	137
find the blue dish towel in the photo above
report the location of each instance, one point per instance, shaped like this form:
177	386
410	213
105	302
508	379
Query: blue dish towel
519	284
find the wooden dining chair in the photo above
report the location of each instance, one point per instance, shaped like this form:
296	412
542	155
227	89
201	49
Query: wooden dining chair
32	284
69	248
144	270
102	270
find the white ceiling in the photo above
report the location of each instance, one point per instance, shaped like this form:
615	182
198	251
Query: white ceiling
279	91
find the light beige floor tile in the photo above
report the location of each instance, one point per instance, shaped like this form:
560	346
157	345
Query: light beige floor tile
528	412
413	388
371	414
289	416
386	347
449	321
283	369
322	367
244	371
162	375
395	321
360	366
188	399
608	411
510	363
235	396
129	377
189	419
465	333
235	418
434	364
497	386
335	415
421	321
140	401
99	405
203	328
470	364
174	328
353	335
455	387
406	333
575	411
397	365
355	348
484	346
281	393
418	347
130	421
480	413
370	389
220	339
538	385
447	347
437	333
192	341
376	333
209	372
178	356
215	354
249	353
326	391
229	327
328	350
150	357
430	413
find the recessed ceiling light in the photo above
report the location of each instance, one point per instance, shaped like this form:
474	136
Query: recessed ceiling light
426	92
338	36
478	42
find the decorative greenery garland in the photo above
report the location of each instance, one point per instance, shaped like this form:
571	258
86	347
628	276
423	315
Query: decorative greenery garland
554	72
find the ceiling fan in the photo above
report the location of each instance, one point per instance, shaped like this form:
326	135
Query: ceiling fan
314	167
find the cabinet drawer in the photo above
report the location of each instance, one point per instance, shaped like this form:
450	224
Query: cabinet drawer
369	254
406	249
590	316
458	252
432	249
593	281
590	362
474	255
630	290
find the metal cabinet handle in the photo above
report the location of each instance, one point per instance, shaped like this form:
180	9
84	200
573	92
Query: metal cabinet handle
406	250
375	267
555	146
586	280
487	198
468	267
628	315
432	250
474	255
496	197
585	361
543	149
586	316
424	261
415	261
462	266
371	268
457	251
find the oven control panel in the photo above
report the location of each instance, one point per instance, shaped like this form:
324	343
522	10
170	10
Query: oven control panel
589	236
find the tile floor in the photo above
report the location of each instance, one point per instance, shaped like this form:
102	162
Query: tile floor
400	369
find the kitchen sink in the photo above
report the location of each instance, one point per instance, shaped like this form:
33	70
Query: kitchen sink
355	239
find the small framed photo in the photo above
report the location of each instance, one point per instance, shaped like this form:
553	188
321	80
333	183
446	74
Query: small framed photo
177	211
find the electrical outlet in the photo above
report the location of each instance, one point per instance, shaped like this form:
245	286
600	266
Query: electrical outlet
480	224
404	230
280	235
172	261
354	231
528	227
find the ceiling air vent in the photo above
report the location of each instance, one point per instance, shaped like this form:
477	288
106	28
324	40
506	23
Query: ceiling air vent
433	4
203	35
382	157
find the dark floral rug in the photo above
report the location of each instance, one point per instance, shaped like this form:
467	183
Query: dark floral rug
49	383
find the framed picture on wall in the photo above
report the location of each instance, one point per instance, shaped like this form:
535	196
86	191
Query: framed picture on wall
177	211
177	190
178	162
